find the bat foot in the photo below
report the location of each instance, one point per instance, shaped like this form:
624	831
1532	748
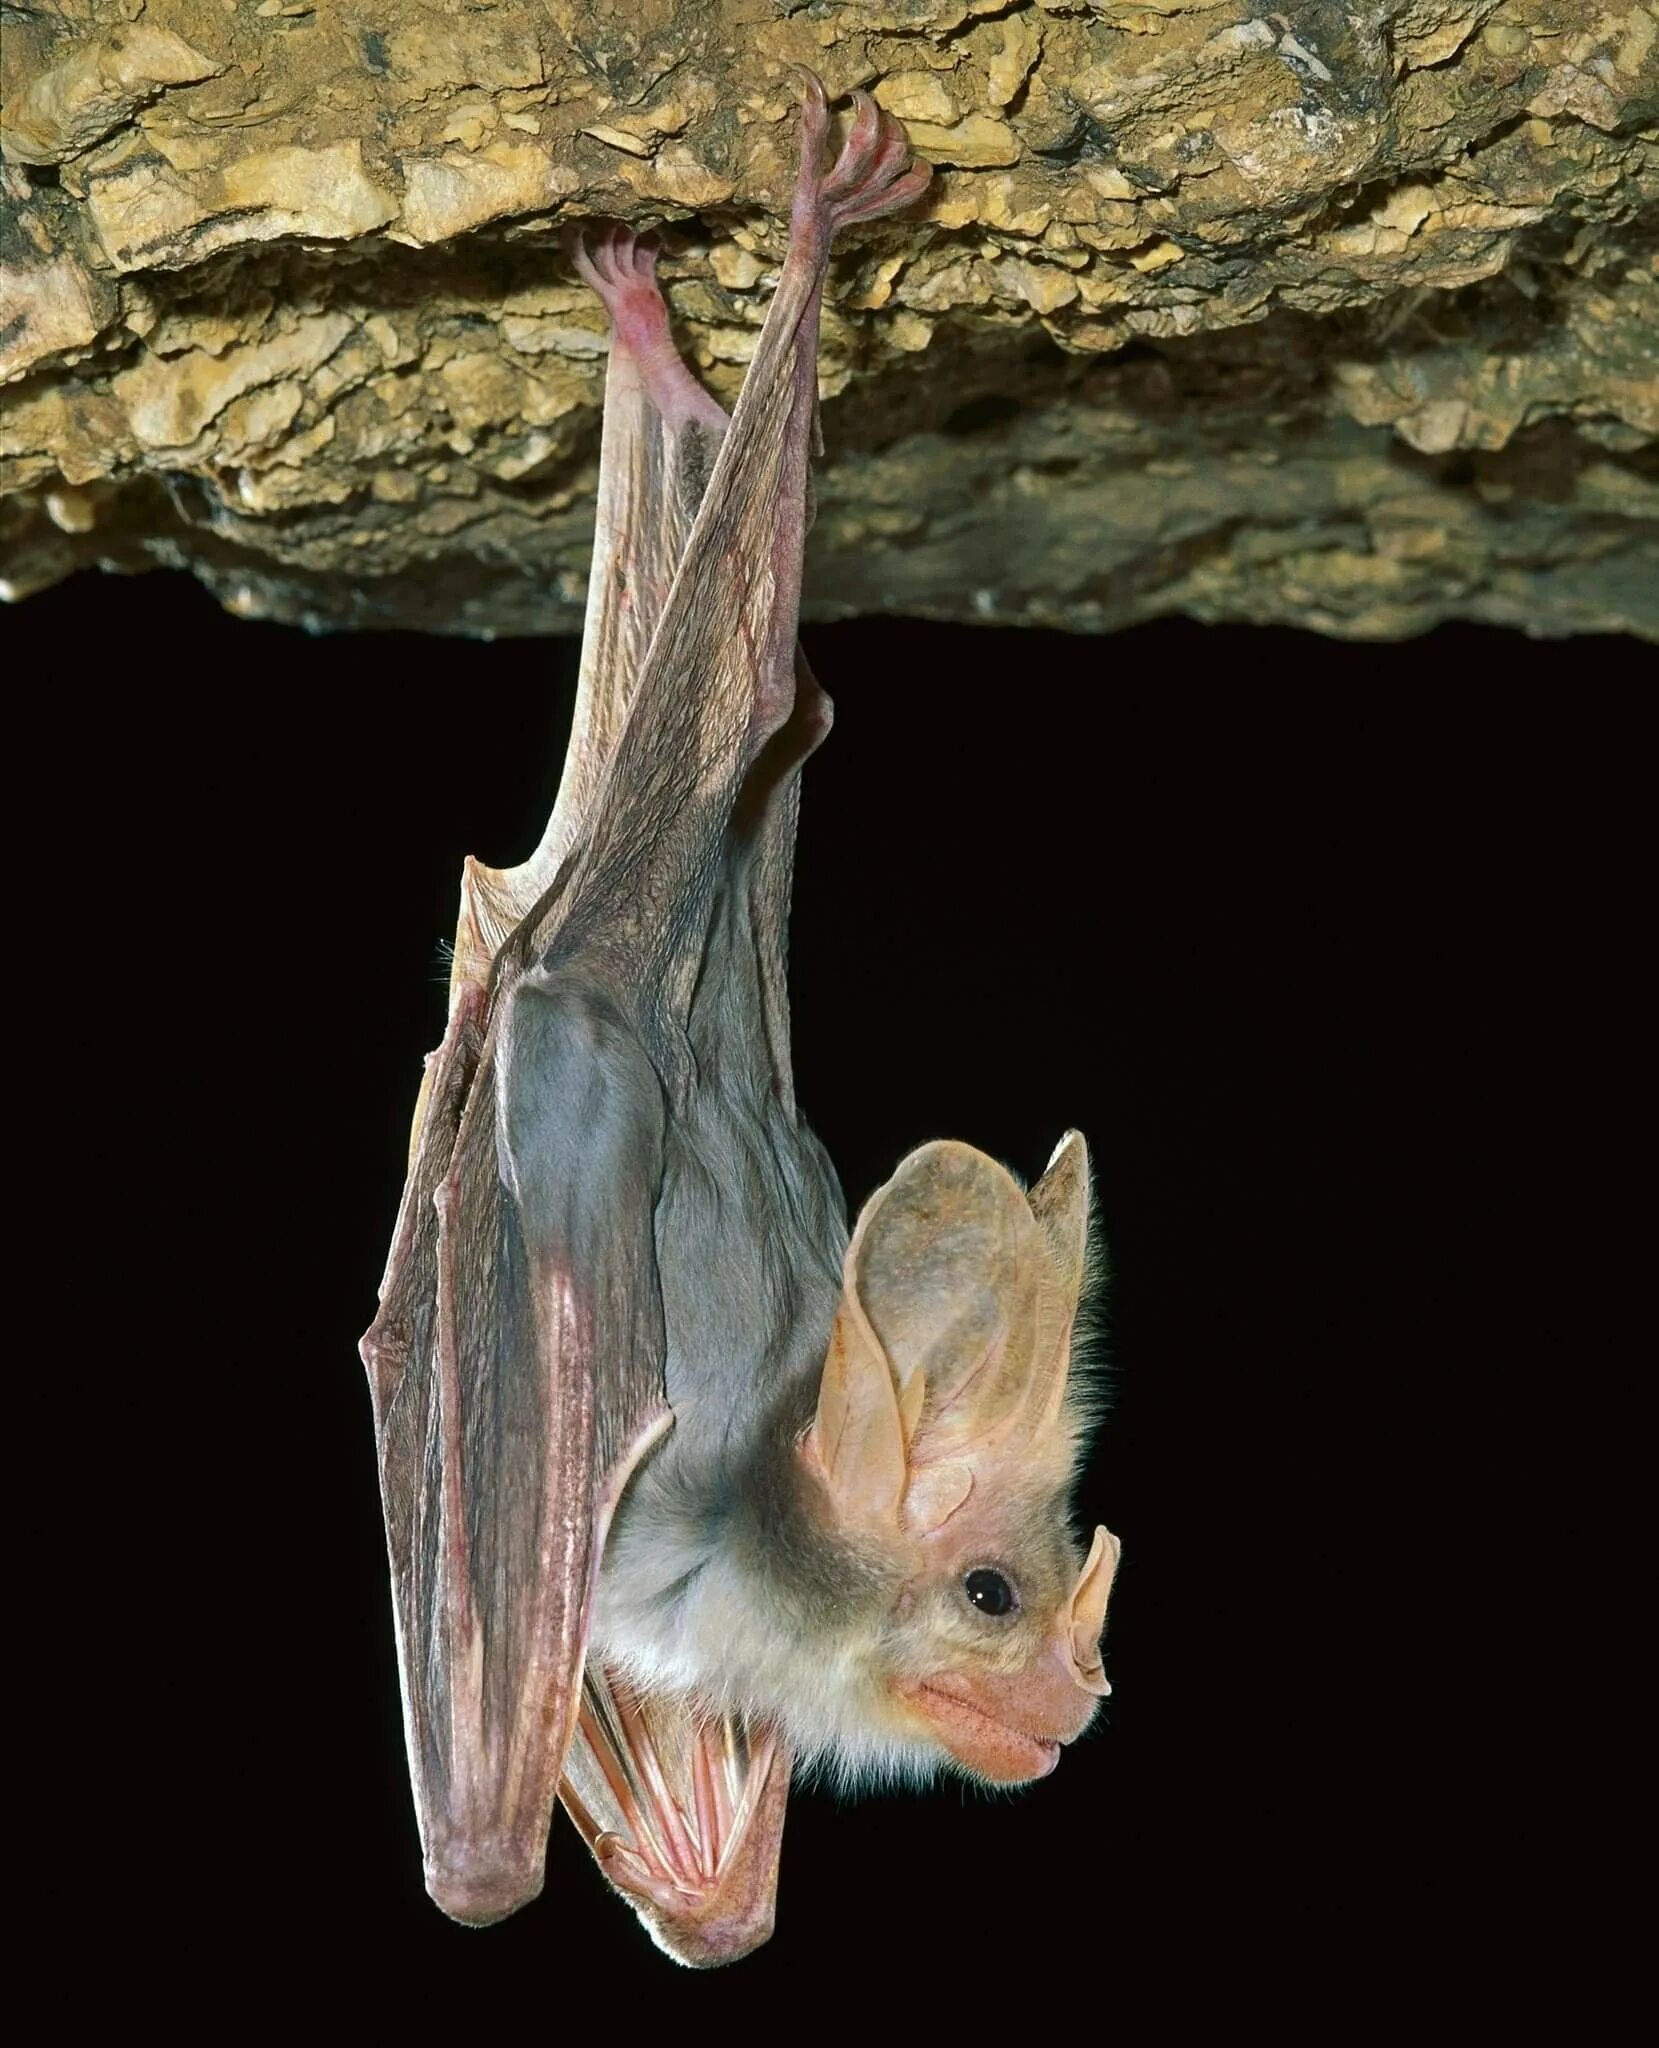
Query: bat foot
621	267
871	176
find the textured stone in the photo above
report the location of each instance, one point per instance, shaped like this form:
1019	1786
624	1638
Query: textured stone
1343	315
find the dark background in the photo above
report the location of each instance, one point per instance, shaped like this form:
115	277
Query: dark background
1275	921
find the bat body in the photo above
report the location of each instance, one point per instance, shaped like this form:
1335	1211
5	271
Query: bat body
683	1487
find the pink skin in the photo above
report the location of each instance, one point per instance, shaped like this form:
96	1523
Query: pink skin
865	182
1006	1728
623	272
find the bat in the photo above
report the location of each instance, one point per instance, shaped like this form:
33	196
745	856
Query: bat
684	1488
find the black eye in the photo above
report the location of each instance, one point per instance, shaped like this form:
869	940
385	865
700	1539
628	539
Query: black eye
989	1591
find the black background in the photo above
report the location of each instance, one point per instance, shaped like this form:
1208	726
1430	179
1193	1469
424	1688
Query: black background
1274	920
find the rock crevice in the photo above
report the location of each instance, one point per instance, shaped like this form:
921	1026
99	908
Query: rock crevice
1343	316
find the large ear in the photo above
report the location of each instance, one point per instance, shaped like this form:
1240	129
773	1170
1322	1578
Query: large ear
857	1438
953	1286
944	1265
932	1256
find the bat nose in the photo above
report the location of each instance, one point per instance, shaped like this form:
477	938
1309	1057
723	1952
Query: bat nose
1087	1615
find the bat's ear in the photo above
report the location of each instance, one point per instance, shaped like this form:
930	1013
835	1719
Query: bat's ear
857	1438
953	1336
1060	1203
937	1274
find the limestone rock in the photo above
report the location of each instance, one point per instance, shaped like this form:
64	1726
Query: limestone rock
1343	316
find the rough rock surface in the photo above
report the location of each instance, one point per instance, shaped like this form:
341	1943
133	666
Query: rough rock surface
1345	315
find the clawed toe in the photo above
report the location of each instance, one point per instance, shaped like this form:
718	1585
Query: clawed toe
872	175
610	257
863	136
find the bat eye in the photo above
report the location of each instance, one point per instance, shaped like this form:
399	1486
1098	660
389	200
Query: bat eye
989	1591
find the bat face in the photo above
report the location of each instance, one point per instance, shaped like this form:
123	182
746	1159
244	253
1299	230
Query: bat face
974	1645
985	1648
944	1447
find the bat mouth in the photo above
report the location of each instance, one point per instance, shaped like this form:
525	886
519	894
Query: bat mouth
988	1747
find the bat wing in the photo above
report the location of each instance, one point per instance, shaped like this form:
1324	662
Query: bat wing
684	1814
516	1373
503	1440
657	446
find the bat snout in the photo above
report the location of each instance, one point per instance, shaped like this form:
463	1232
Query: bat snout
1009	1728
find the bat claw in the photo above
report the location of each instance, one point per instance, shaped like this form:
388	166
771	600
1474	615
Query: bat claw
621	268
814	113
872	174
615	259
859	149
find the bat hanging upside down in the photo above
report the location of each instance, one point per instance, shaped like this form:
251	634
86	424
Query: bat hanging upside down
682	1489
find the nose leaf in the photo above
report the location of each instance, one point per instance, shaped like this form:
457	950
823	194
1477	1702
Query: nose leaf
1088	1612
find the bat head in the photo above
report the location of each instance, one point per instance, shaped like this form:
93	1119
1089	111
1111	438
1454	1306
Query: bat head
944	1445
